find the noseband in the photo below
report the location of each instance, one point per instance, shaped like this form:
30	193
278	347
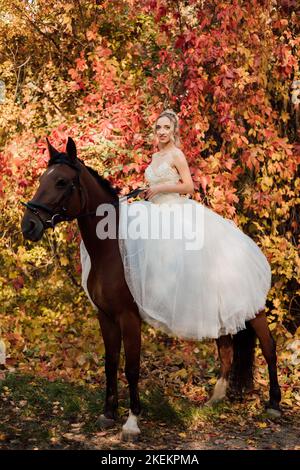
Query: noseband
60	215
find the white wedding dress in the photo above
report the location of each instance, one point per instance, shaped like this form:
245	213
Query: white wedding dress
191	293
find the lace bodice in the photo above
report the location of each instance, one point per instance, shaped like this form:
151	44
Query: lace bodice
165	173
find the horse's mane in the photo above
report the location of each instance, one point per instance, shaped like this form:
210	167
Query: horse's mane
105	184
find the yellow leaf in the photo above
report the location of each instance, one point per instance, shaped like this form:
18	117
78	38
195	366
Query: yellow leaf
213	380
182	373
13	274
64	261
287	401
266	182
262	425
285	116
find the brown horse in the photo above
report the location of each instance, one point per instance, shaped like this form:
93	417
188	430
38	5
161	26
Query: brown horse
70	190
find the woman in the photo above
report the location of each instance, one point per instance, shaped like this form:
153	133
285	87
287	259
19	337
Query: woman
202	289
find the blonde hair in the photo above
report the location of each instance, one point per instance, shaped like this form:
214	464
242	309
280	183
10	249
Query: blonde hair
169	113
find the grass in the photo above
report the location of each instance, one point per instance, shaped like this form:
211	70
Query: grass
42	414
70	401
40	407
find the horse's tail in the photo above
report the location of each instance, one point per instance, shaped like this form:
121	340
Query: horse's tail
243	359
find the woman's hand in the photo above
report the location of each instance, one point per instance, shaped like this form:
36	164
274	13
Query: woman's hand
152	191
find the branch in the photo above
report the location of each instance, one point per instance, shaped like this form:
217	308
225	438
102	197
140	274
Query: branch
18	76
45	35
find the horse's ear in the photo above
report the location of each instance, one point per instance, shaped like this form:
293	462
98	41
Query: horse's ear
71	149
52	151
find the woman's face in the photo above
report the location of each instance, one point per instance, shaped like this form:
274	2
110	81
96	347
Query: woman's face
164	129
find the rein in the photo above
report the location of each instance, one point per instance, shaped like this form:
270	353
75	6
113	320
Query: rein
60	215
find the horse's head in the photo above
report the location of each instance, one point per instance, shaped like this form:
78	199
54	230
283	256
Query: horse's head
58	197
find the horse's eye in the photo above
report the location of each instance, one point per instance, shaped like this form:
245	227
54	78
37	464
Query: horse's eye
61	183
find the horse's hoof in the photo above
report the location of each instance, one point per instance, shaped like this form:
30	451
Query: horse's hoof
130	436
273	413
104	423
210	403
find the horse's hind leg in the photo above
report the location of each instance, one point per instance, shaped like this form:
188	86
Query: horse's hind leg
225	349
131	332
111	333
268	347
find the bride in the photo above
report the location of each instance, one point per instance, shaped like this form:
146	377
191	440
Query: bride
201	290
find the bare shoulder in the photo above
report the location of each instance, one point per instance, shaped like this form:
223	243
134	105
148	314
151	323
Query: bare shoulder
179	157
179	153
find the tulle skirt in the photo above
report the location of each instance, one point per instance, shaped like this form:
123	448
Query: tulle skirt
194	291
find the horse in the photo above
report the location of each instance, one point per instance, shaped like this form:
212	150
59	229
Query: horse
68	190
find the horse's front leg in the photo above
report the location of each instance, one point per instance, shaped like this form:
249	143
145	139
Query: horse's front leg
131	333
111	333
225	349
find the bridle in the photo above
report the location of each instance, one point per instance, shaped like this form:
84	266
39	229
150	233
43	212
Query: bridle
60	214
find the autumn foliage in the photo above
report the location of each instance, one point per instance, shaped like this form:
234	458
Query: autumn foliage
100	71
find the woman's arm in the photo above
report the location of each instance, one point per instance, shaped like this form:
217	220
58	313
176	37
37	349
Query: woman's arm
187	185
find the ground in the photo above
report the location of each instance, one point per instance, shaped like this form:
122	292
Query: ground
38	414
